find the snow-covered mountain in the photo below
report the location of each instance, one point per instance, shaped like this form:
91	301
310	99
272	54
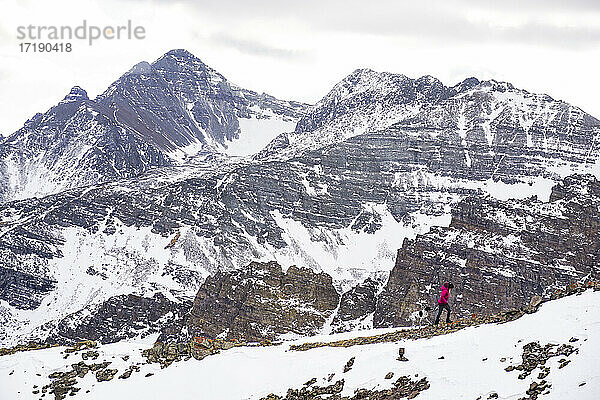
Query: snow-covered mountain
381	158
154	115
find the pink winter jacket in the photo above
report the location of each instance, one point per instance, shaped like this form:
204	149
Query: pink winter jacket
445	294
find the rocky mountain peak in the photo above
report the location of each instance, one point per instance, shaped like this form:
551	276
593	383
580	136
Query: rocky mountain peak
466	84
141	68
76	94
182	61
498	86
364	80
181	54
368	99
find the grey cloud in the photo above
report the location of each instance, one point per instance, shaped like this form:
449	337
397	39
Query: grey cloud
266	7
255	48
443	26
444	21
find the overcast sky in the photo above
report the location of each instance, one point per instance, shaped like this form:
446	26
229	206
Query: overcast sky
300	49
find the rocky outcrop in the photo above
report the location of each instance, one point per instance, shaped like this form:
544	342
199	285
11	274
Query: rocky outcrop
403	388
120	317
199	348
23	290
498	254
429	331
261	301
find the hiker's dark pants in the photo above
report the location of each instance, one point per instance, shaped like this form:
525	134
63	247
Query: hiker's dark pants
440	308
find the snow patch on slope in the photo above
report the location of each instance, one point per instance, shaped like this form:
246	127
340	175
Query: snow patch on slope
350	256
256	133
95	267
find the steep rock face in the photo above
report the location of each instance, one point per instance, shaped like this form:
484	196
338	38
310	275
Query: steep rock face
513	125
364	188
261	302
342	209
487	117
498	254
179	101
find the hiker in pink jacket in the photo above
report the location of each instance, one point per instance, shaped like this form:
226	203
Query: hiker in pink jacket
443	303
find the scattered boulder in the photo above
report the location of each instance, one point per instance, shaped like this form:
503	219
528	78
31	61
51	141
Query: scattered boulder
404	387
401	356
90	354
534	356
563	363
105	374
544	372
81	369
125	374
536	389
311	382
349	365
128	371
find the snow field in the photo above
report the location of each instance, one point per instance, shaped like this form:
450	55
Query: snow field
254	372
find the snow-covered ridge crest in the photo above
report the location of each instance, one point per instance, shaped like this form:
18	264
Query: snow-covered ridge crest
490	112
